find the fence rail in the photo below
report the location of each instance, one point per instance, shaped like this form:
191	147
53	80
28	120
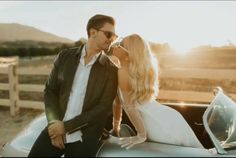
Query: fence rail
199	73
12	70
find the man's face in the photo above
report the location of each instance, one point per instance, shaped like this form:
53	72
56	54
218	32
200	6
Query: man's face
105	36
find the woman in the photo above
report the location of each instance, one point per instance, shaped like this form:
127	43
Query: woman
137	91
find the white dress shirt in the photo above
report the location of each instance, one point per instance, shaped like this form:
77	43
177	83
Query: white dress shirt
77	94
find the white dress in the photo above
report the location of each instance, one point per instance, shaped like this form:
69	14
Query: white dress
162	123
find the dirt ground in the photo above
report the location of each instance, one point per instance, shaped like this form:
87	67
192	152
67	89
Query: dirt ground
10	126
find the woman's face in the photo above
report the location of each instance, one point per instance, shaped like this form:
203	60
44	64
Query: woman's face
120	51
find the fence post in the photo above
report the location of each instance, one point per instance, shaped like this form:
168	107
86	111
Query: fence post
13	88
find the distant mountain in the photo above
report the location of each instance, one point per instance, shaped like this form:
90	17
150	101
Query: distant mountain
18	32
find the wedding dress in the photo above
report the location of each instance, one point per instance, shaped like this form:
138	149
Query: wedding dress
161	123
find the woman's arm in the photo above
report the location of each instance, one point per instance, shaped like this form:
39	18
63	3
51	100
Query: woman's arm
136	119
117	115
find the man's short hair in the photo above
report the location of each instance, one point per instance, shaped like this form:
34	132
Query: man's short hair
98	21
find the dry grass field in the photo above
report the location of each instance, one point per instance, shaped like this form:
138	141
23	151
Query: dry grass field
10	126
206	60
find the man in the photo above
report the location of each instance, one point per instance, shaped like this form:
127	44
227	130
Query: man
79	94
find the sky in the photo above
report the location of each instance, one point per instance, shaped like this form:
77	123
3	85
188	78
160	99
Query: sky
182	24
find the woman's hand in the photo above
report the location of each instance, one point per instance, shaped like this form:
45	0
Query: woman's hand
128	142
116	129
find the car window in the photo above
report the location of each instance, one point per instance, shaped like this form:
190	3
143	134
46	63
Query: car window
221	120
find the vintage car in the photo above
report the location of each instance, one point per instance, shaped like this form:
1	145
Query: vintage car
213	124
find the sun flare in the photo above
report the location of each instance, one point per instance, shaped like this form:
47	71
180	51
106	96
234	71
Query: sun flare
182	50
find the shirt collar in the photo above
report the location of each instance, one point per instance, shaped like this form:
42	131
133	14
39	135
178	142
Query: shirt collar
83	53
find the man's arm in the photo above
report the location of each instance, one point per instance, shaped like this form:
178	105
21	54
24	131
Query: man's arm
105	104
51	93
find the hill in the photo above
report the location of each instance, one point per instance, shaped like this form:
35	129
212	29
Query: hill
16	32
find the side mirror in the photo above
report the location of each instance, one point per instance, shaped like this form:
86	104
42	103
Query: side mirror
216	90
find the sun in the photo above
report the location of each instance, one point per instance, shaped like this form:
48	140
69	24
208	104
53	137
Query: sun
181	49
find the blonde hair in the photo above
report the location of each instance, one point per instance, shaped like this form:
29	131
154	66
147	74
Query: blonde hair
143	70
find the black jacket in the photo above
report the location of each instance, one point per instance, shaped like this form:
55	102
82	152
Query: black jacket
100	93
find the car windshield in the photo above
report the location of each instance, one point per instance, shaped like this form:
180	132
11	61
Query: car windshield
221	120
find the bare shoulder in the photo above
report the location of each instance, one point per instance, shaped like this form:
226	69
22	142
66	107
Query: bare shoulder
123	79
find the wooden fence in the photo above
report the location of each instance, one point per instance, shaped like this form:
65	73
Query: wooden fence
10	67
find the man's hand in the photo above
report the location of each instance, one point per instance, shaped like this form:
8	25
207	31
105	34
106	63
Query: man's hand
58	142
56	129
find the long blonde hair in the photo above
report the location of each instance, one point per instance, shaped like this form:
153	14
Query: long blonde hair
143	70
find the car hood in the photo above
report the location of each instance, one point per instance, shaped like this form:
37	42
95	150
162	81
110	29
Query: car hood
146	149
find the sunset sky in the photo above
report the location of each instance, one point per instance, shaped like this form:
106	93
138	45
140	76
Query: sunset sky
182	24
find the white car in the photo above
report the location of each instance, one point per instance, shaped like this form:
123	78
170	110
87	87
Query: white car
214	125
